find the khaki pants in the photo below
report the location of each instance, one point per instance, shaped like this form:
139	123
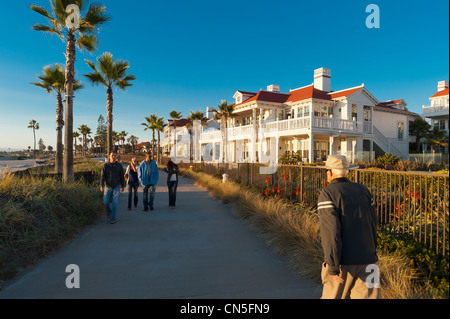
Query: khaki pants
354	286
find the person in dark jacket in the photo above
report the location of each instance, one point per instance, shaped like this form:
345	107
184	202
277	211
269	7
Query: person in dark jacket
131	175
348	229
112	182
172	171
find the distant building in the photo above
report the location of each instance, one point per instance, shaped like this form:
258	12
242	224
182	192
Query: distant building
437	113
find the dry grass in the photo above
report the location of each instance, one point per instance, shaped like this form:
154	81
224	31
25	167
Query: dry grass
293	232
38	215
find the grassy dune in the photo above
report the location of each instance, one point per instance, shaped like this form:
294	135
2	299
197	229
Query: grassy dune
39	215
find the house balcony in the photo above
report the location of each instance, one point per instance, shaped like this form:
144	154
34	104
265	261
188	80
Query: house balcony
435	111
323	125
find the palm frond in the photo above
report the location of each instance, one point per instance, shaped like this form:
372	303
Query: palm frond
95	16
96	78
42	11
87	42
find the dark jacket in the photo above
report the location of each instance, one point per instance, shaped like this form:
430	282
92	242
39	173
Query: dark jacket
348	224
132	175
112	175
170	170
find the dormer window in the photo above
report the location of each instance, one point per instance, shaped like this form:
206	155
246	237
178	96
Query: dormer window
238	99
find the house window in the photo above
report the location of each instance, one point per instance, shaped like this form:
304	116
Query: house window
354	112
281	115
400	130
306	111
366	115
439	124
300	111
316	110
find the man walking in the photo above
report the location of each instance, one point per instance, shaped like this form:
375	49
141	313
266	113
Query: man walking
113	178
348	229
148	176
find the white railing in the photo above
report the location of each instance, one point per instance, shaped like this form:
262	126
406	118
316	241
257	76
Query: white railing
435	109
386	144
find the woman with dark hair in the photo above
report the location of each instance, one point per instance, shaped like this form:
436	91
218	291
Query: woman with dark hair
172	171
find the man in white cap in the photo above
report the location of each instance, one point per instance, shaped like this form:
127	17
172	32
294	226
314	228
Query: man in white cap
348	228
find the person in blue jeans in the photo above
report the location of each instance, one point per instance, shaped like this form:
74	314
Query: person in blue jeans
112	182
172	171
131	174
148	176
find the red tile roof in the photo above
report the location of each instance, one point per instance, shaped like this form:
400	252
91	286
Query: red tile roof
267	96
180	122
345	92
307	92
441	93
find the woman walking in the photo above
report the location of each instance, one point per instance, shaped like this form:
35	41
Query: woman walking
133	182
172	182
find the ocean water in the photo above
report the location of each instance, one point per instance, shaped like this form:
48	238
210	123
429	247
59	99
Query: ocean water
12	165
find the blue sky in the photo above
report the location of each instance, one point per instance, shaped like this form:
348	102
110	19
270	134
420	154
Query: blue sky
188	55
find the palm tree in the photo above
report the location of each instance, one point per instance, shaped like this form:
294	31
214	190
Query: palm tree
224	113
75	135
419	128
151	124
122	136
53	79
115	138
133	141
199	115
437	138
83	36
110	74
35	126
174	115
160	126
84	130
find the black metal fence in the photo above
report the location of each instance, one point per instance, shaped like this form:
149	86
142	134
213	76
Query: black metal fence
415	204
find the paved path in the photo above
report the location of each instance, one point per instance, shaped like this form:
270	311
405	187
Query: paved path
198	250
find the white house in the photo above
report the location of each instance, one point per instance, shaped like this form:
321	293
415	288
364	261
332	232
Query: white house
312	120
437	113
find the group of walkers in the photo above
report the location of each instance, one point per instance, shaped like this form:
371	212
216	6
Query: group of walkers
114	179
348	222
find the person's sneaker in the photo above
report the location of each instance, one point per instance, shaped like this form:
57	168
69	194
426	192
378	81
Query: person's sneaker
151	208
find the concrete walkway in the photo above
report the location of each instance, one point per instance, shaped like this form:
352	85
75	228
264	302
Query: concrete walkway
198	250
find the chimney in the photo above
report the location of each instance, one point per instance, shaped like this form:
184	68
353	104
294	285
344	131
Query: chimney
209	112
322	79
442	85
273	88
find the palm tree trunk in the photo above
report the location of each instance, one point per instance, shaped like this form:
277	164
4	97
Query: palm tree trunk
34	138
109	117
70	77
59	134
158	156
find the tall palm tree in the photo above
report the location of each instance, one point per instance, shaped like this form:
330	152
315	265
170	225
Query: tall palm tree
53	79
151	124
419	128
174	115
75	135
160	126
84	130
35	126
224	113
83	36
110	74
